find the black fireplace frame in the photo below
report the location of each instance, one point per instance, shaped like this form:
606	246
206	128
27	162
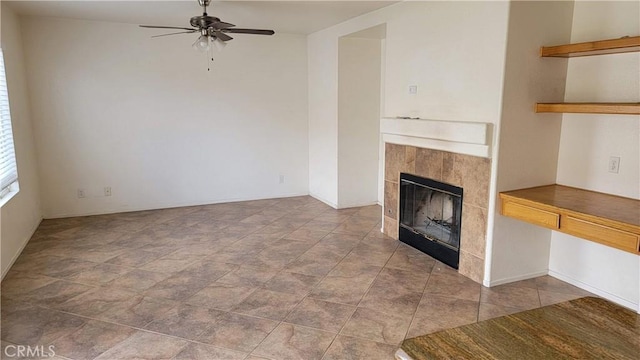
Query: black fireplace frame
413	238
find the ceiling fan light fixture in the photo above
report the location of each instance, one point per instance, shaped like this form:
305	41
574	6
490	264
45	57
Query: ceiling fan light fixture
218	44
202	43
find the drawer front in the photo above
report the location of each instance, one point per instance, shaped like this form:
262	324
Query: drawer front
531	215
603	234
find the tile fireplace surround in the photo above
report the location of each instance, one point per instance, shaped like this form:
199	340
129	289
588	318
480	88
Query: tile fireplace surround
472	173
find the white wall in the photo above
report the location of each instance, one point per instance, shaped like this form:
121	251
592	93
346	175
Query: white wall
453	52
587	141
323	115
21	215
528	142
359	61
114	107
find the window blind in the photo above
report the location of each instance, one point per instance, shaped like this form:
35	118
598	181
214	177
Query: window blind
8	167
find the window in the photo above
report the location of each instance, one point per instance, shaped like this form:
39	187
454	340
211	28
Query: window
8	167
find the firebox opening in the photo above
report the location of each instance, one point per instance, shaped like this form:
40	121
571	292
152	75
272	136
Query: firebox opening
430	217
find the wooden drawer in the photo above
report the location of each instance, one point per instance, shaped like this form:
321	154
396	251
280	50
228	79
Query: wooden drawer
531	215
603	234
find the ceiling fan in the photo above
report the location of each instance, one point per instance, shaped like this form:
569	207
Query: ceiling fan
211	29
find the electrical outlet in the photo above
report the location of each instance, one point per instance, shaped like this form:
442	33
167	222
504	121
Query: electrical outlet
413	89
107	191
81	194
614	164
281	179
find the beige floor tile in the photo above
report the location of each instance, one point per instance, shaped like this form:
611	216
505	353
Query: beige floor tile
511	296
347	347
91	340
67	268
38	326
55	293
319	225
360	227
308	234
185	321
268	304
276	230
144	345
97	301
293	283
320	314
396	280
313	264
99	275
399	302
489	311
363	252
438	312
220	296
137	311
135	258
138	280
179	271
339	244
550	298
342	289
377	326
295	342
248	276
171	263
551	284
18	283
99	254
454	285
410	259
238	332
196	351
178	287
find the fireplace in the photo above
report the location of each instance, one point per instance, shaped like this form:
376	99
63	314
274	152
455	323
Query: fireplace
430	217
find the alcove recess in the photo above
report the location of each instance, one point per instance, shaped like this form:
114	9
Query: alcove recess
606	219
592	48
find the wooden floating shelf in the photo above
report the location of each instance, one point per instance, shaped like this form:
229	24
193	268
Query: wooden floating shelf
590	108
601	47
606	219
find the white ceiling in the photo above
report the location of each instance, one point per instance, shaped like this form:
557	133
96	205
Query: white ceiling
298	17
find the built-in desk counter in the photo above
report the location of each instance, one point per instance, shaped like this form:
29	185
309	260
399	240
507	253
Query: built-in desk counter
607	219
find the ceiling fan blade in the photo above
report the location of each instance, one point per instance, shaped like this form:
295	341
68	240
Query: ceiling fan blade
166	27
222	25
248	31
222	36
175	33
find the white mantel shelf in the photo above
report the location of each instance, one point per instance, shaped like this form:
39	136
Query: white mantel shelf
470	138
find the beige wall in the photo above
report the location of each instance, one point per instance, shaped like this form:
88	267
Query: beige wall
453	52
359	62
114	107
21	215
527	142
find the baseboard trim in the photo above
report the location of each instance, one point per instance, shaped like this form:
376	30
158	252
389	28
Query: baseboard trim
160	206
516	278
318	197
602	293
348	206
17	254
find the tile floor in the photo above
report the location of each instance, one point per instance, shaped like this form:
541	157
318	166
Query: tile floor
269	279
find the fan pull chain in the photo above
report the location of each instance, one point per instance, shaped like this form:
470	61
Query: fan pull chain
210	57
